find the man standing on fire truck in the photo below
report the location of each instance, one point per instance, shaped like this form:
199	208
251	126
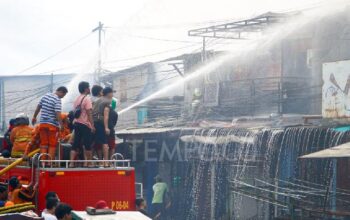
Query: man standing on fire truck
50	120
83	125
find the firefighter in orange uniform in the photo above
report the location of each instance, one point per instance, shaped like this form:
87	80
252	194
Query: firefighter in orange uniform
20	135
34	142
65	134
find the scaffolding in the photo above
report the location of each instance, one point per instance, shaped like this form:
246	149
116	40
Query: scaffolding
238	29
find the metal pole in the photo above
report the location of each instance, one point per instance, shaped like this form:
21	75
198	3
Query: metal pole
334	186
203	51
99	52
99	28
212	193
280	104
51	83
280	97
327	184
2	104
276	196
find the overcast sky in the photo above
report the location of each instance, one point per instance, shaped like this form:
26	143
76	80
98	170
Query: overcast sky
34	30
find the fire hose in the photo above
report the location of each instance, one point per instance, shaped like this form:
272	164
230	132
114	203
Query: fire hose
16	162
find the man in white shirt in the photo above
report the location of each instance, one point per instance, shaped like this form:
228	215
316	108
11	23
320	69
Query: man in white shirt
49	212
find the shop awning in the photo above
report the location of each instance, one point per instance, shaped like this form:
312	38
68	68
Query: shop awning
339	151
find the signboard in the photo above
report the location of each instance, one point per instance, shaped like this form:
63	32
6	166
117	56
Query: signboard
335	90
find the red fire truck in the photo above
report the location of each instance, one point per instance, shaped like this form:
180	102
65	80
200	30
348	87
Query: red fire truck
79	187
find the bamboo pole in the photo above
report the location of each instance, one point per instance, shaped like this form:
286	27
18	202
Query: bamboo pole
16	162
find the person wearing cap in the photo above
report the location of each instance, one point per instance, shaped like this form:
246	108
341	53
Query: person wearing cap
50	107
100	113
20	135
160	189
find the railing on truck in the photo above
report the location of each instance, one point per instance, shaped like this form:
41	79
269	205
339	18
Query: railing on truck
54	164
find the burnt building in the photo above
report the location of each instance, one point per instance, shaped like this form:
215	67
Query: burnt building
250	168
139	82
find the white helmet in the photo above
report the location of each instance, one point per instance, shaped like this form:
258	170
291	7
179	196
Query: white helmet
22	119
21	115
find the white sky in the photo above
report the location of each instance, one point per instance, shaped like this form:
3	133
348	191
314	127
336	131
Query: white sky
33	30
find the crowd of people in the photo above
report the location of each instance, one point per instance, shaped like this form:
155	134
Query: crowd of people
89	127
94	123
55	210
15	194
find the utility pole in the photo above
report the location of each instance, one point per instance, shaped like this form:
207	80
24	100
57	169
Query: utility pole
99	28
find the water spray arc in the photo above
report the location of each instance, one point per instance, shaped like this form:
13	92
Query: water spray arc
247	50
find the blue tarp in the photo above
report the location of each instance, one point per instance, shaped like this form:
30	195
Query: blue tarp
342	128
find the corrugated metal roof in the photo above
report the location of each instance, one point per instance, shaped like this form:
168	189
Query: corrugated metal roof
217	139
152	130
339	151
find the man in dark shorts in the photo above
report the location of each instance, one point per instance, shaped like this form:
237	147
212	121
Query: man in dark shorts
100	114
112	122
84	125
96	92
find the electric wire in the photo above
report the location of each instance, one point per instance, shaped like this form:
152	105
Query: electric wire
53	55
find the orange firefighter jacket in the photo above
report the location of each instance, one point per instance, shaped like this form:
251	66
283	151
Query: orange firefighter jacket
20	137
